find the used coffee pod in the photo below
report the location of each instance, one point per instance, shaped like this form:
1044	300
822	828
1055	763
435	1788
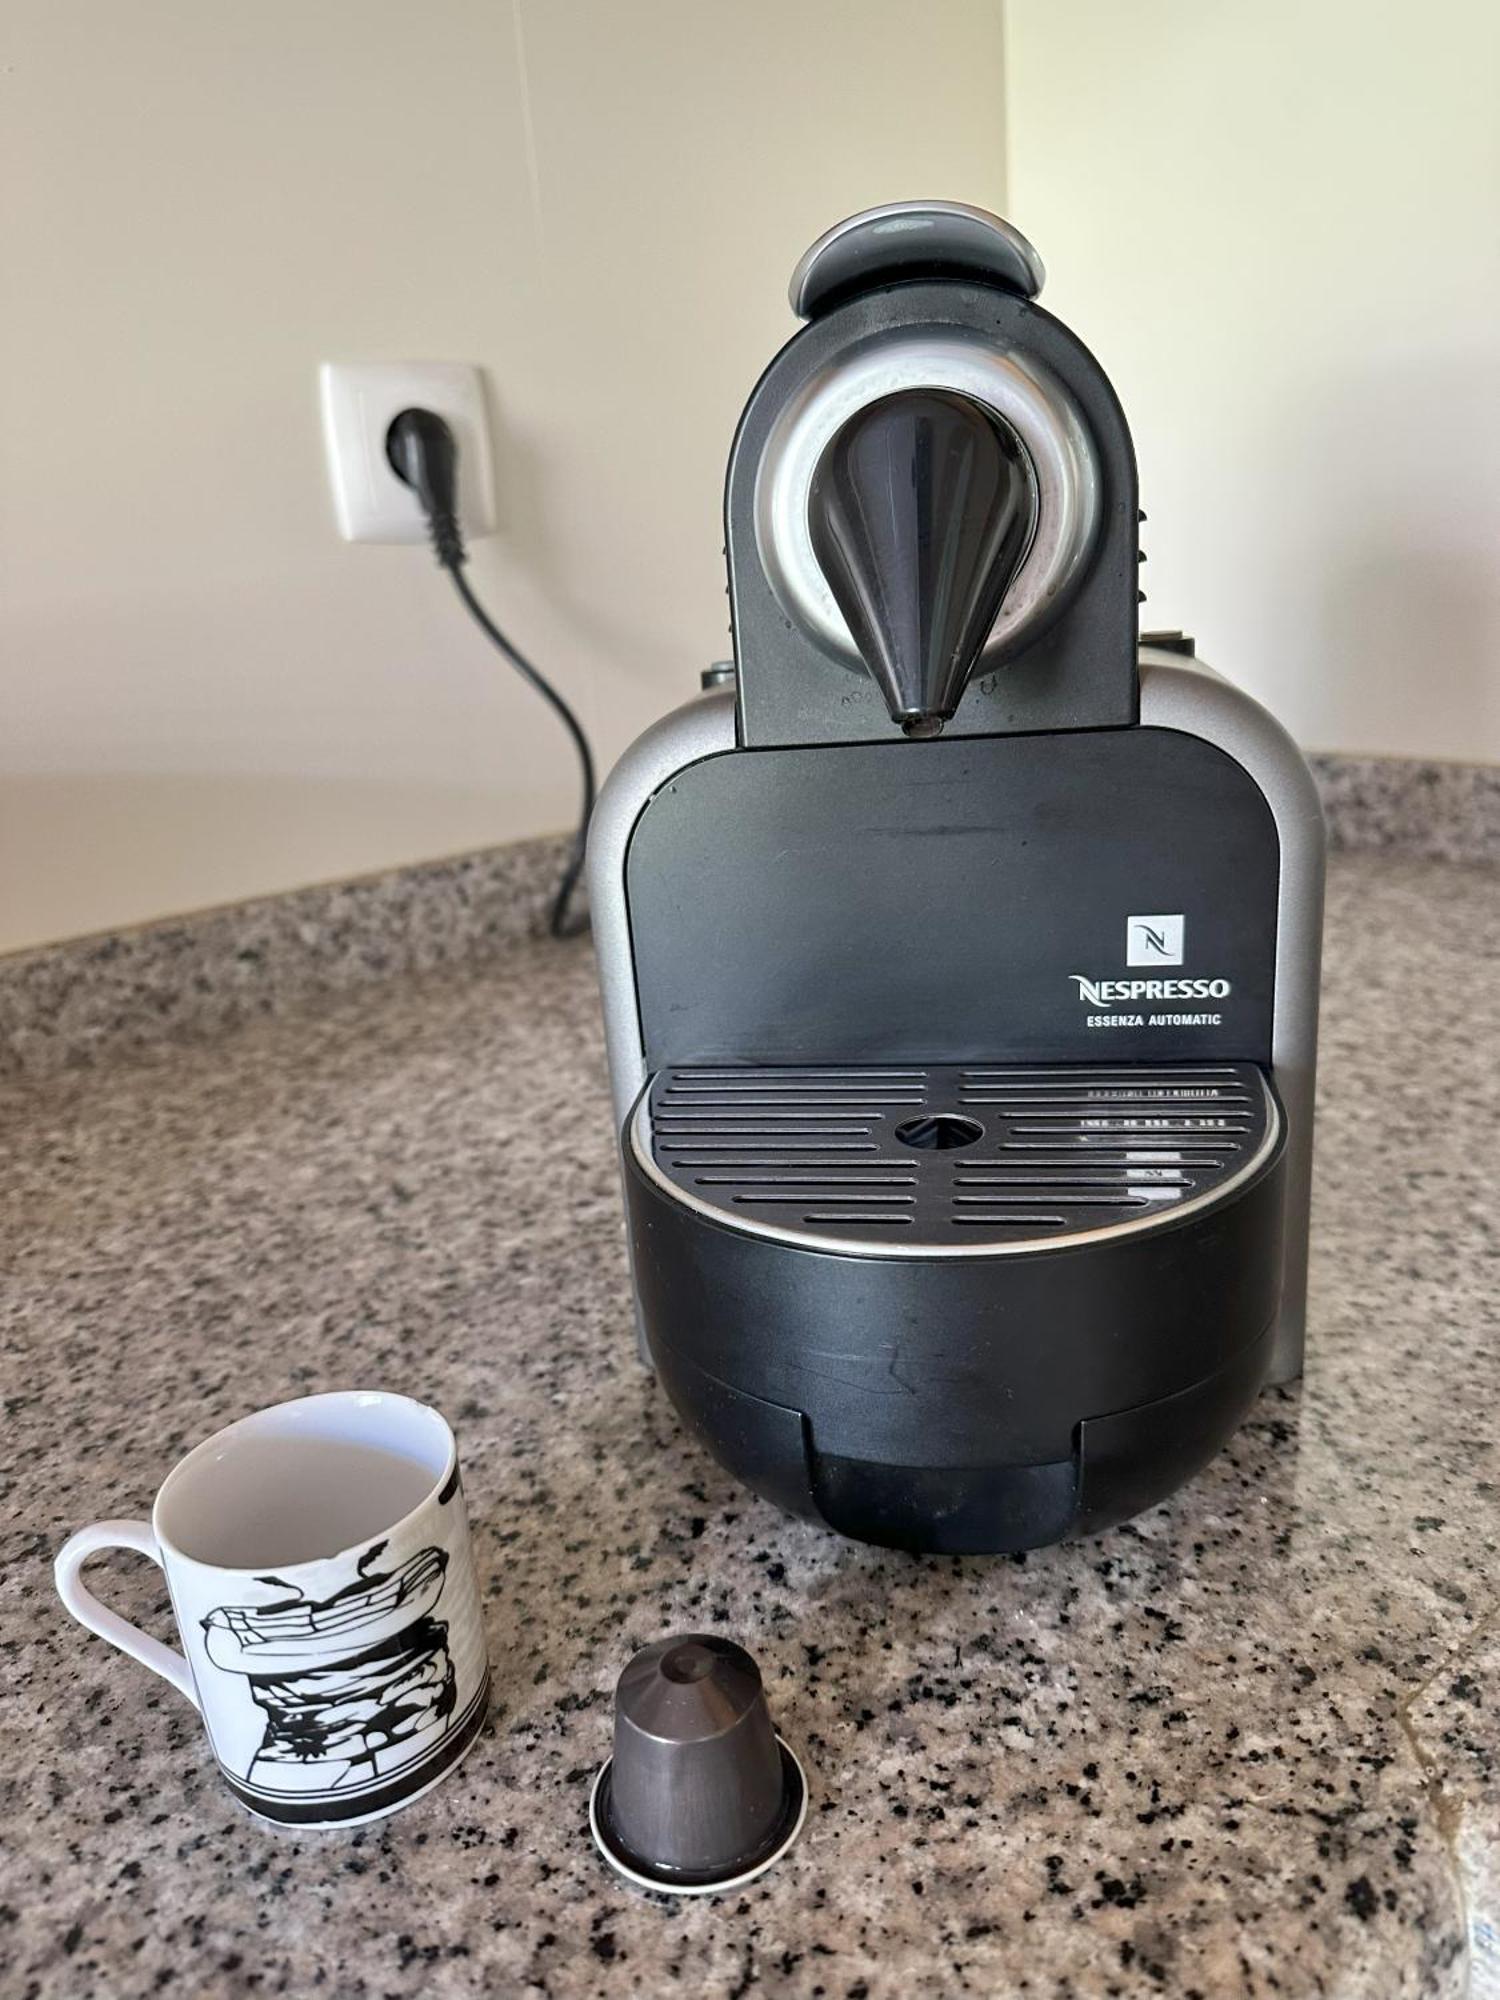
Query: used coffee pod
701	1794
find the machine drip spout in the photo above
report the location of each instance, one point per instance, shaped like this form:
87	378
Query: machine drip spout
921	511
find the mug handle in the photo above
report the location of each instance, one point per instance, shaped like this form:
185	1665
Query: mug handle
86	1608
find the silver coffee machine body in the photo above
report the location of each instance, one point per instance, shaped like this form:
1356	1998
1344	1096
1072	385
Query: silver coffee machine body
959	956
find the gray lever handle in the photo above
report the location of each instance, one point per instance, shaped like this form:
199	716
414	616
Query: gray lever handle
913	239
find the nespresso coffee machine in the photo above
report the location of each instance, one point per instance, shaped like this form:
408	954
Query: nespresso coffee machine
959	954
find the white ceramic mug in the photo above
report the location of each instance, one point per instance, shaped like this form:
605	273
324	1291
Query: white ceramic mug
317	1557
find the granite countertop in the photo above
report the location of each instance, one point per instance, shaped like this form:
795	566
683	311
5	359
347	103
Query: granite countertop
1245	1745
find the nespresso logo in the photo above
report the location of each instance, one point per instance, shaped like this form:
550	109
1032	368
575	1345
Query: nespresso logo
1124	992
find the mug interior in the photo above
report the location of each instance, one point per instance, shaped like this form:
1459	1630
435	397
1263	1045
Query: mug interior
304	1480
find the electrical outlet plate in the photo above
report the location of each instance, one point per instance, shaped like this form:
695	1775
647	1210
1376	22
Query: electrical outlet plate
359	400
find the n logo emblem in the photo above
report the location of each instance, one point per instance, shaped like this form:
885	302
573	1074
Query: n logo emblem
1154	940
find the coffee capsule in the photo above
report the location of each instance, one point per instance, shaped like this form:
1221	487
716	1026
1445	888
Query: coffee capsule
700	1794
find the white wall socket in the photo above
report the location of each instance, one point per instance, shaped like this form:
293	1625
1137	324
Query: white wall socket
359	400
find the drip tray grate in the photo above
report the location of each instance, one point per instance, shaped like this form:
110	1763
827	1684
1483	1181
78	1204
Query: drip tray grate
962	1160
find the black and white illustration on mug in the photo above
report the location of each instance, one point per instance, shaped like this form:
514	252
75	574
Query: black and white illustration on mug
355	1686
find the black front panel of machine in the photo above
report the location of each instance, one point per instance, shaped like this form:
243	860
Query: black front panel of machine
1095	897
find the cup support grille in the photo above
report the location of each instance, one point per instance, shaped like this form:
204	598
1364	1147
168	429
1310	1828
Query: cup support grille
879	1159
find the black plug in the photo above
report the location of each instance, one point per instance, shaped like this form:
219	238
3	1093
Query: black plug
423	454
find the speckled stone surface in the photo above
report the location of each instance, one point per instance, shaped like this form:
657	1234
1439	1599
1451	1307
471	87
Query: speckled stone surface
1450	812
127	992
1245	1746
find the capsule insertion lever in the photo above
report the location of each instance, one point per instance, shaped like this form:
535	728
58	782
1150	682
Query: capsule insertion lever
921	511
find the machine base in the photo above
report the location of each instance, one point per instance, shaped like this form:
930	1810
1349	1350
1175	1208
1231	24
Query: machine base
964	1358
1121	1465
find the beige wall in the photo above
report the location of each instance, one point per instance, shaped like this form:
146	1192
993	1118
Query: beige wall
1277	223
203	693
1274	221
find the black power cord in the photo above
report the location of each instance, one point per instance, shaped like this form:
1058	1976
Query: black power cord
423	453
